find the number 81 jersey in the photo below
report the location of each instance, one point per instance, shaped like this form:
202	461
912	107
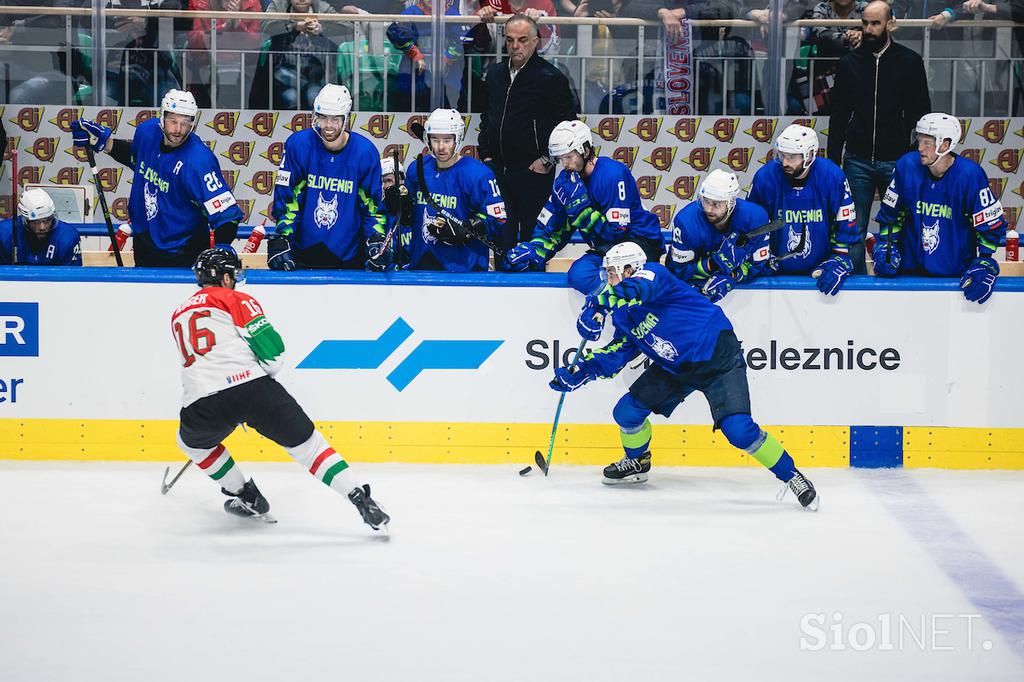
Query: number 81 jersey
224	339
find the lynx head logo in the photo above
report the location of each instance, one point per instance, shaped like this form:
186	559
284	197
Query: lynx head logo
402	149
930	236
609	128
1008	161
44	148
700	158
685	129
663	348
664	213
379	125
274	153
762	130
110	118
224	123
326	213
118	209
626	155
994	131
648	185
738	159
143	116
150	199
68	176
109	178
300	122
29	118
239	153
662	157
793	233
262	182
998	186
684	187
263	123
724	129
975	155
230	178
647	129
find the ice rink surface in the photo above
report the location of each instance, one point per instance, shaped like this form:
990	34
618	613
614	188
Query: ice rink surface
487	576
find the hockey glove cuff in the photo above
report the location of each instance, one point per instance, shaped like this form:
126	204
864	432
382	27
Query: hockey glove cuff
979	279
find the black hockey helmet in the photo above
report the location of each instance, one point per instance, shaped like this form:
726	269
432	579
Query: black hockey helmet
213	263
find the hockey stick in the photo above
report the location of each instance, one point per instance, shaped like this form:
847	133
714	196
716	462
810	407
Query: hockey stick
542	463
773	262
14	204
103	206
417	130
745	237
398	219
165	486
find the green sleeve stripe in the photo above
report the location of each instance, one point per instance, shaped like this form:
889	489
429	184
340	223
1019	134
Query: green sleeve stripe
379	220
264	340
291	211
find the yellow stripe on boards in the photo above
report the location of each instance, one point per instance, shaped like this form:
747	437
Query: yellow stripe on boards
963	448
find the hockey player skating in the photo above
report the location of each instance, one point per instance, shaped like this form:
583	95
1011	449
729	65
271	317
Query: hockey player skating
42	239
813	194
229	355
692	347
179	194
327	195
595	195
458	205
705	252
939	217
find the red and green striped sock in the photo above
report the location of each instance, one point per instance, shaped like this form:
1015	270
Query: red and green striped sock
319	457
216	463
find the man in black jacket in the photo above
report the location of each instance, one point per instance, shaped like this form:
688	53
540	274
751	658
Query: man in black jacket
526	98
881	91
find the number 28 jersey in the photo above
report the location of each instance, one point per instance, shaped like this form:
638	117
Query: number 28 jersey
224	340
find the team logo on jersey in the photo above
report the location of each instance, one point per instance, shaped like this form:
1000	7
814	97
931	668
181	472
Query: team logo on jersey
626	155
700	158
793	240
975	155
424	232
379	125
110	118
300	122
143	116
29	118
469	150
8	151
663	348
684	187
664	213
724	129
30	175
998	186
1008	161
762	129
274	153
738	158
685	129
647	129
44	148
65	117
152	207
118	209
930	236
239	152
416	118
994	131
389	151
109	178
609	128
662	157
223	123
262	182
648	185
326	213
263	123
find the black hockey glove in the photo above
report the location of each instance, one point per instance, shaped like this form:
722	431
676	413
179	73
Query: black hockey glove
279	253
450	232
377	257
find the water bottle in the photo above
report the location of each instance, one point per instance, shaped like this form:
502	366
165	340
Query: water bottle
1012	246
121	237
258	233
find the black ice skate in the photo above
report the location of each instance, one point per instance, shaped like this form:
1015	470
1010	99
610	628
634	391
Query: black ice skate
374	516
803	489
248	503
628	470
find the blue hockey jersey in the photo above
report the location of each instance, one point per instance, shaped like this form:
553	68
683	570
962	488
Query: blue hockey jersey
178	192
61	247
466	189
609	213
694	240
824	204
940	225
656	314
329	198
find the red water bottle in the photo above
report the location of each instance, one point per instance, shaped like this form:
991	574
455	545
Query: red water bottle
869	243
1012	245
258	233
121	237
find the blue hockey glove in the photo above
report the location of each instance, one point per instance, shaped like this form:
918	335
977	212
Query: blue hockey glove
567	382
717	287
885	267
83	128
729	256
377	257
832	272
522	257
279	253
591	320
571	193
979	279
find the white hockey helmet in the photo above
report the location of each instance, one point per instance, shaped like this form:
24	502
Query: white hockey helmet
387	166
445	122
570	136
36	204
720	185
179	102
623	254
941	127
798	139
332	100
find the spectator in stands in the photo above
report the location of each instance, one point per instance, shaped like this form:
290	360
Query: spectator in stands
526	98
415	38
791	11
535	9
36	237
820	49
198	42
308	27
881	92
1013	10
296	62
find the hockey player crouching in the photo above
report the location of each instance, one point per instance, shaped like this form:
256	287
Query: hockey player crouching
939	217
35	236
223	334
458	206
692	346
595	195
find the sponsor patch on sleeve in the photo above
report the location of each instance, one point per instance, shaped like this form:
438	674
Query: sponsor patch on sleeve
619	216
644	274
544	217
762	254
993	212
219	203
847	212
496	210
283	178
682	255
890	197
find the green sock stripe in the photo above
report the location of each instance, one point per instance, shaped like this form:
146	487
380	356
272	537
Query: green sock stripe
223	470
335	469
769	452
639	439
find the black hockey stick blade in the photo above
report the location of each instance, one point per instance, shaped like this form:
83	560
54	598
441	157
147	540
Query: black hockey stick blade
542	463
418	132
757	232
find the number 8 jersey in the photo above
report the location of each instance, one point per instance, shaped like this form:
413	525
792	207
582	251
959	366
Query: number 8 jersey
224	340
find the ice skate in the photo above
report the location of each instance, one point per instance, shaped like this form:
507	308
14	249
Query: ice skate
803	489
373	515
628	471
248	503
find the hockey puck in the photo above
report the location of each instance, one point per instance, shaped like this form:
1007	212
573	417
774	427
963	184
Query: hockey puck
523	472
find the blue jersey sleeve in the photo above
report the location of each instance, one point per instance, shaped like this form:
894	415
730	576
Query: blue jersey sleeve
845	232
986	213
608	361
760	191
686	250
206	184
890	212
68	245
288	185
754	255
552	231
486	201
